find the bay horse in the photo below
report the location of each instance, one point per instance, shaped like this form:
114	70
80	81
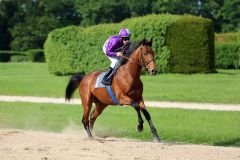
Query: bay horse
126	85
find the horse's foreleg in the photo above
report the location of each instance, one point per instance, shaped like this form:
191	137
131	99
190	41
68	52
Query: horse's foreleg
125	100
153	129
140	120
96	112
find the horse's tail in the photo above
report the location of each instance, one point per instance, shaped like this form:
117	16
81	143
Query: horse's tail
72	85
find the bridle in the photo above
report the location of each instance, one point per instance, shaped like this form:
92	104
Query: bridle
144	63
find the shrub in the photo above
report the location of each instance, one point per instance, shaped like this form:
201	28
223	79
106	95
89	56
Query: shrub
35	55
238	36
19	58
227	55
226	37
5	56
79	49
191	41
75	49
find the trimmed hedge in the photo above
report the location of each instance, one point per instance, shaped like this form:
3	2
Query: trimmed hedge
35	55
191	41
238	37
227	51
19	58
227	55
5	56
226	37
75	49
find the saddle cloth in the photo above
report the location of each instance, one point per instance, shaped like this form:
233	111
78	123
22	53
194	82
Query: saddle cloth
99	81
100	85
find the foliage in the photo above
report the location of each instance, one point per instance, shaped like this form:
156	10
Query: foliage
227	55
174	6
226	37
19	58
238	36
16	16
191	42
5	56
32	33
35	55
230	13
80	50
102	11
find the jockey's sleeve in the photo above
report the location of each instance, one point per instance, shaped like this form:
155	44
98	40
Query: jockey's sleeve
110	47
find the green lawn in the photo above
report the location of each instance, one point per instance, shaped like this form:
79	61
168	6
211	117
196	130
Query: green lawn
177	125
33	79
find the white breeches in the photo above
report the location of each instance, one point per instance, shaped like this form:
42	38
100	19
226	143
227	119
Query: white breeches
113	61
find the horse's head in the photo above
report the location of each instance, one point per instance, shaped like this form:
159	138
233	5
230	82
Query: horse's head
146	56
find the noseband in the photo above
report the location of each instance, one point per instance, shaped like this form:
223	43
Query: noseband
144	63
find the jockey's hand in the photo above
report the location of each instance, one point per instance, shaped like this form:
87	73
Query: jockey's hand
119	54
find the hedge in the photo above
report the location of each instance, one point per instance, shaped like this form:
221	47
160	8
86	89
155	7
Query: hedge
5	56
238	37
35	55
75	49
227	55
227	51
19	58
191	41
226	37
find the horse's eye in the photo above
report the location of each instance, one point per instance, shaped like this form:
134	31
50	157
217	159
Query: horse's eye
144	53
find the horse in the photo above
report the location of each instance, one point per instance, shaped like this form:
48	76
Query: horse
126	85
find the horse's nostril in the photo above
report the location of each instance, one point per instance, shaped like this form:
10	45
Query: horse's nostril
153	71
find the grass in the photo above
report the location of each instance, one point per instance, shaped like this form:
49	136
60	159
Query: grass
189	126
30	79
33	79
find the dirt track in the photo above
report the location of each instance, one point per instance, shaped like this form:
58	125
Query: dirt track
183	105
28	145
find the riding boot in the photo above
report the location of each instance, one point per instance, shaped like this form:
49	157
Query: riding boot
108	72
108	80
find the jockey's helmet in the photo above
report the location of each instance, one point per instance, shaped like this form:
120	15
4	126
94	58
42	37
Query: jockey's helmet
124	32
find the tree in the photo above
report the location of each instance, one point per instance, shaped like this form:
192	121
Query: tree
139	8
230	13
210	9
32	33
174	6
10	14
64	10
102	11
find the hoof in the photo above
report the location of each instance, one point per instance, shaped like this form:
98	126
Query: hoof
90	138
156	139
139	128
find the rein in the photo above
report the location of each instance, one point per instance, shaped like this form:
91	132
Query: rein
135	62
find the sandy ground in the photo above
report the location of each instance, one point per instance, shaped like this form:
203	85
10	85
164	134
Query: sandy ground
31	145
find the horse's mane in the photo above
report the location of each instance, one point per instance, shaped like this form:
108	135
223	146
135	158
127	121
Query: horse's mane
135	45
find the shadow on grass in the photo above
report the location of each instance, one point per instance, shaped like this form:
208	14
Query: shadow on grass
231	142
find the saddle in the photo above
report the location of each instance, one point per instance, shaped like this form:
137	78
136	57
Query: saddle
100	85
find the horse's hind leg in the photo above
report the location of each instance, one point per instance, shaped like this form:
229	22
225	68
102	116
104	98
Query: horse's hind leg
96	112
85	120
87	105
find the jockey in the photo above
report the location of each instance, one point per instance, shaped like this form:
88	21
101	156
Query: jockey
111	49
